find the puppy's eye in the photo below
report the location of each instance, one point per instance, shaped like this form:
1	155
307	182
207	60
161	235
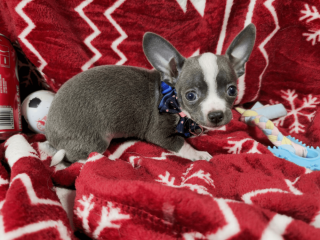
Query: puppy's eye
232	91
191	96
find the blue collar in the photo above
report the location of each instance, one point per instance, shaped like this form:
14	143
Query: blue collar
169	104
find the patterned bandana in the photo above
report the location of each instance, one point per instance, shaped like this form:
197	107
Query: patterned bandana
169	104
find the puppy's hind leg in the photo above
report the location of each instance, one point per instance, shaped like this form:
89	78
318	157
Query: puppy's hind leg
76	150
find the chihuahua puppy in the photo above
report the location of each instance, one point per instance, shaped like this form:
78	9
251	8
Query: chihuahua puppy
109	102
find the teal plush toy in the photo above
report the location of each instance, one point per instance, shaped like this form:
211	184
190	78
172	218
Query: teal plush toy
285	147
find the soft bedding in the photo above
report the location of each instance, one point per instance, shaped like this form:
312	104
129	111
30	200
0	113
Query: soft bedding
136	190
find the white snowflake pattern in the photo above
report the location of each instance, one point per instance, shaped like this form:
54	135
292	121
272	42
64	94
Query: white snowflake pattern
84	213
238	145
308	103
311	15
170	181
314	36
109	214
200	174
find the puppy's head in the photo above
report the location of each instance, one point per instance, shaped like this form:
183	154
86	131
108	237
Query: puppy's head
206	85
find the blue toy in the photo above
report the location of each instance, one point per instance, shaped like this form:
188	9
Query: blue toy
311	161
286	147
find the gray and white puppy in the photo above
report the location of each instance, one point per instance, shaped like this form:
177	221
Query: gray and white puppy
109	102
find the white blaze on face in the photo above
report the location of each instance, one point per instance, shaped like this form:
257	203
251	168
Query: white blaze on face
212	102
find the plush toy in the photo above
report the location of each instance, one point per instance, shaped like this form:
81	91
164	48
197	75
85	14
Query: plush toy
35	109
284	147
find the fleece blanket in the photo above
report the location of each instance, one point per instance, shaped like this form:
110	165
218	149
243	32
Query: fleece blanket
136	190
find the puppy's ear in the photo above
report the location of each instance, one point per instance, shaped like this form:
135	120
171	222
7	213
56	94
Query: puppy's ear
163	57
241	47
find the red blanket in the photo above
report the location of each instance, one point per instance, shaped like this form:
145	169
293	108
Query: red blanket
137	190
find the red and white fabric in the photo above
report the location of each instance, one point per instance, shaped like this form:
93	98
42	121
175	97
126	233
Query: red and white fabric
136	190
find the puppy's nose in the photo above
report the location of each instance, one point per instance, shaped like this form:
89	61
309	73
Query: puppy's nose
215	117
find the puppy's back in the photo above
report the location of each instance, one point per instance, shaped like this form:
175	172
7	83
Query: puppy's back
100	101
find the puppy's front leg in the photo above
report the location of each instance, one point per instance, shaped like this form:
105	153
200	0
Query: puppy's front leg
163	133
178	145
187	151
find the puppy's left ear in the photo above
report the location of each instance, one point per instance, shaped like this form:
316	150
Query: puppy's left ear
241	47
163	57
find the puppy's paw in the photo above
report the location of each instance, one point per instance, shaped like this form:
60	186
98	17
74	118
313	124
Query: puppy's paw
189	152
201	155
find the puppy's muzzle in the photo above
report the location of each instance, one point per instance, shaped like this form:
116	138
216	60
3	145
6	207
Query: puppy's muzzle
216	117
